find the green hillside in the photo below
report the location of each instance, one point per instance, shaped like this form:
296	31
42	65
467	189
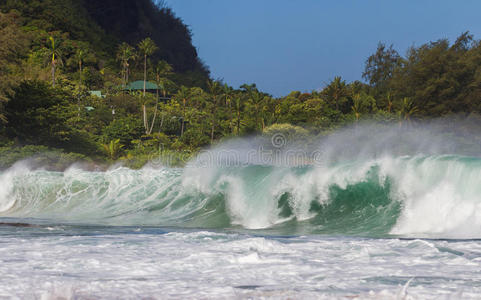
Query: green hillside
67	67
102	25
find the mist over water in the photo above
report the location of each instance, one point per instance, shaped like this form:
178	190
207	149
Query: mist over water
372	211
418	180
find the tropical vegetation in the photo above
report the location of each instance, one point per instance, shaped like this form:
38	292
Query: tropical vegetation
51	61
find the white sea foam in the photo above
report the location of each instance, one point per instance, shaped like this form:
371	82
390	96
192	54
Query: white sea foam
200	265
364	183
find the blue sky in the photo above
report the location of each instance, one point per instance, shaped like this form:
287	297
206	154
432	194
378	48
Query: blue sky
286	45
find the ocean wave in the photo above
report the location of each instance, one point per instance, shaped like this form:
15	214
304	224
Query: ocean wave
413	196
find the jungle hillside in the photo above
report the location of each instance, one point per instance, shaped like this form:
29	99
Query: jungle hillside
109	81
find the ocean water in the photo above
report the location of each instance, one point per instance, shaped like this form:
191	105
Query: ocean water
392	227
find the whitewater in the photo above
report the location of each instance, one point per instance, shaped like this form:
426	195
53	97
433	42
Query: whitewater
368	218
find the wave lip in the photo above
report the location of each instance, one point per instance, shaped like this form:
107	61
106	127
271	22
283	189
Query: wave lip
440	196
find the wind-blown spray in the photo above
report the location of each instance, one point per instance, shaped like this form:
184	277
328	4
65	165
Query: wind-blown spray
370	180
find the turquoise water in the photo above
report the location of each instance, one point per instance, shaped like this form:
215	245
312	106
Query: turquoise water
392	226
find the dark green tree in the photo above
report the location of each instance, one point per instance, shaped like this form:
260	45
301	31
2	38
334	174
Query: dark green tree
146	47
337	92
380	67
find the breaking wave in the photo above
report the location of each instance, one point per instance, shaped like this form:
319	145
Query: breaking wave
414	196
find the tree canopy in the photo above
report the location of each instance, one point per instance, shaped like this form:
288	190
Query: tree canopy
64	66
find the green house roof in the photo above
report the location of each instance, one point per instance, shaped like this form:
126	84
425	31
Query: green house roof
139	86
97	93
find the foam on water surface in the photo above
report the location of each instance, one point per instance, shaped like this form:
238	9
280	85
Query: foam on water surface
366	223
162	264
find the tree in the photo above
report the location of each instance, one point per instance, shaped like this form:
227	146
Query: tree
408	109
13	43
229	94
54	52
389	102
337	91
124	128
256	99
441	78
215	89
144	100
269	111
162	71
182	95
125	53
238	107
113	149
356	106
39	114
146	47
80	56
363	103
380	66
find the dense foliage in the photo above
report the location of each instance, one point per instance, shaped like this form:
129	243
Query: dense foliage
53	53
437	77
97	27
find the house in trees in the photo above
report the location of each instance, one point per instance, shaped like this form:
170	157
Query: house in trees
150	87
138	86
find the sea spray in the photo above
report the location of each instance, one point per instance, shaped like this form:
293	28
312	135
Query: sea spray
435	196
367	180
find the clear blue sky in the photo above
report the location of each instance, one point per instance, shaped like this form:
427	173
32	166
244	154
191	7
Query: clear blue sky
286	45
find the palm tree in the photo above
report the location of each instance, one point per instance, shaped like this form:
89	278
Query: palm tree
228	94
113	148
408	109
80	55
144	100
54	52
162	70
149	129
125	54
256	99
147	47
269	111
248	88
356	107
337	90
183	94
197	96
238	106
389	102
215	90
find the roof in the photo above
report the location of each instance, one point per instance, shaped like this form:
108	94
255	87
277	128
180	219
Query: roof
97	93
139	86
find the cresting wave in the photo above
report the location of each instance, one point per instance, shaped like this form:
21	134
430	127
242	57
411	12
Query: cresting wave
414	196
